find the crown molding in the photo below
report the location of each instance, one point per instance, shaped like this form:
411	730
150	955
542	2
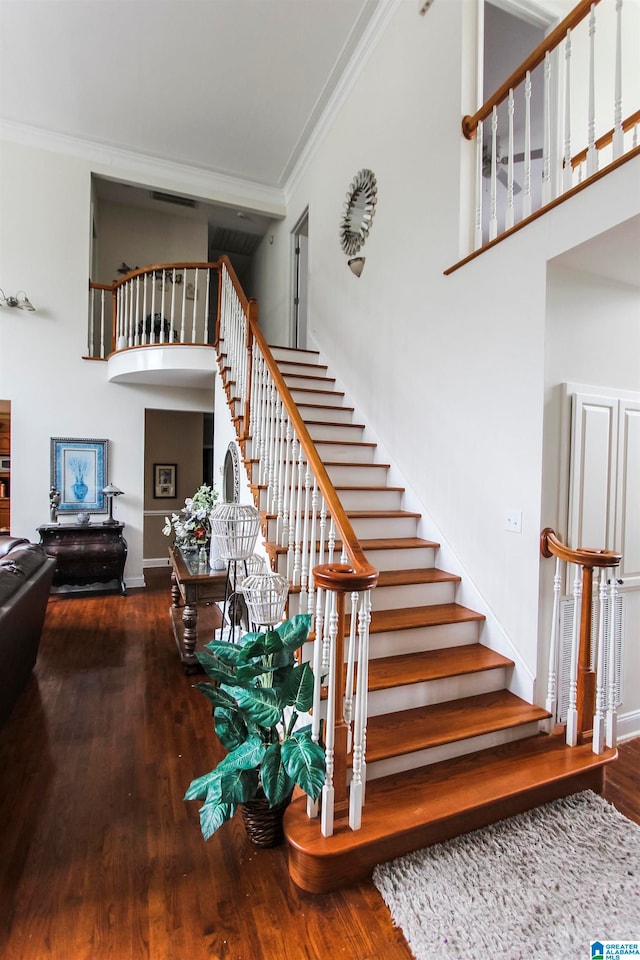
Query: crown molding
301	157
147	170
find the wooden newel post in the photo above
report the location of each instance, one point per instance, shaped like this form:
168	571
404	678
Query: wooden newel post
586	678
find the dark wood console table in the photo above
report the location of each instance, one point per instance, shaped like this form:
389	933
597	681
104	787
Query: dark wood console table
89	555
193	583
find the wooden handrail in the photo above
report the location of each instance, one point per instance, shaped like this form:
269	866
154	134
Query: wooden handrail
551	545
579	12
606	139
156	267
338	577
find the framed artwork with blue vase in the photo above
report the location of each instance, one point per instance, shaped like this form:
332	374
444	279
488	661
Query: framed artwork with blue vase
79	473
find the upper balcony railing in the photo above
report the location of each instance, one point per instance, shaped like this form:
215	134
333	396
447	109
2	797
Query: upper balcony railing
558	119
167	303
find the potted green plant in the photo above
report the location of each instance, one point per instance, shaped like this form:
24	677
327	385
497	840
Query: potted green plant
258	695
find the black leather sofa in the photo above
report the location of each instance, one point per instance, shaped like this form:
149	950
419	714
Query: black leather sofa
25	579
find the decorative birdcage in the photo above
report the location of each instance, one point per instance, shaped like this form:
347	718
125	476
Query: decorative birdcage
266	596
236	527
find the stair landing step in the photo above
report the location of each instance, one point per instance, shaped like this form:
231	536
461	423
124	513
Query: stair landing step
424	728
427	665
432	804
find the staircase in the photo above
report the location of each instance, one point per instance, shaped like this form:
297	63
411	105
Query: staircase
449	747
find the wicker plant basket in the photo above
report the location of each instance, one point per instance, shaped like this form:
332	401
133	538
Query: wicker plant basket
263	823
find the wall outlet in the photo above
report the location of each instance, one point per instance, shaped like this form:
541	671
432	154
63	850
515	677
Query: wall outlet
513	521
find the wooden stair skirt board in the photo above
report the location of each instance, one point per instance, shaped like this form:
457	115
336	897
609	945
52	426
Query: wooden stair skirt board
449	747
432	804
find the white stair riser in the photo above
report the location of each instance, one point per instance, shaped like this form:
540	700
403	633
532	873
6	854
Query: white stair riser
385	498
394	598
364	527
402	558
414	595
335	414
392	643
374	499
410	761
319	395
353	474
384	528
345	453
315	382
301	368
435	691
296	356
335	431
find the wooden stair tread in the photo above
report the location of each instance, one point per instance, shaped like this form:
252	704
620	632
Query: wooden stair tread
432	803
432	615
397	543
426	665
306	376
415	575
334	423
277	346
327	406
422	728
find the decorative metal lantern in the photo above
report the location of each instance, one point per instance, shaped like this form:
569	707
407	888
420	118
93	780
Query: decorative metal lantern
236	527
266	596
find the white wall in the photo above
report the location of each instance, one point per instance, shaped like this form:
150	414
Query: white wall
44	248
449	370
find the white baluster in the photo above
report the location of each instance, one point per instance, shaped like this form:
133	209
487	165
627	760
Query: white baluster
137	325
359	767
611	732
312	805
312	547
547	194
479	187
567	172
288	469
592	153
297	549
102	323
292	509
618	133
152	329
194	338
207	294
572	712
526	186
183	307
144	309
304	569
509	214
92	319
349	679
281	471
493	220
328	790
598	720
164	284
552	680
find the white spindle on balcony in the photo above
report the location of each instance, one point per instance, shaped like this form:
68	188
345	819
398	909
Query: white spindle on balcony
493	219
509	215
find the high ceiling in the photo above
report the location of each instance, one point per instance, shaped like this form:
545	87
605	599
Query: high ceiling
230	86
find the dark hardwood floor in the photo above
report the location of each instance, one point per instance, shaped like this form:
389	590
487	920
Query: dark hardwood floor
100	857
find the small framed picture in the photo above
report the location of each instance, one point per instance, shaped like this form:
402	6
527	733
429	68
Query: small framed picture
164	479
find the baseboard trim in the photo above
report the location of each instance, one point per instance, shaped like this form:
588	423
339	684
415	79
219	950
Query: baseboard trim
156	562
629	725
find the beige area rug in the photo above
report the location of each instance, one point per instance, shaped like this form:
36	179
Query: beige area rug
540	886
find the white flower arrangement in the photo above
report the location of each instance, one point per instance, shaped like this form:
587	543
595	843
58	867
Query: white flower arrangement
192	526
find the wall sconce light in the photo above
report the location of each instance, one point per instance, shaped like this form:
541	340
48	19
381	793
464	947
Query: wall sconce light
111	491
356	265
21	300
